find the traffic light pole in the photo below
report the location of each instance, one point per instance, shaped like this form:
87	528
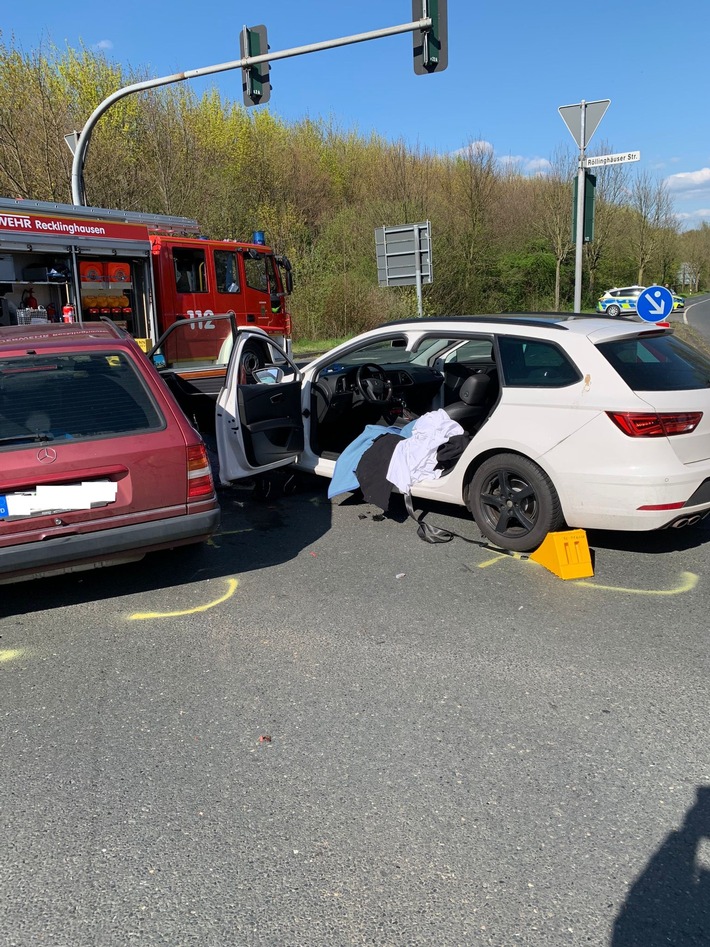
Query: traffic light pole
77	175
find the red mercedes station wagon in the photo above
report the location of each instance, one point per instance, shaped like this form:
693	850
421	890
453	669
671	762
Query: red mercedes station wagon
98	463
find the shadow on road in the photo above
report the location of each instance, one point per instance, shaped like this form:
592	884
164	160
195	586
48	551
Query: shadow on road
669	903
653	543
256	532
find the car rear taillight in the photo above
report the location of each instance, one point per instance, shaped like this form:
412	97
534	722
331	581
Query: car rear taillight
643	424
199	475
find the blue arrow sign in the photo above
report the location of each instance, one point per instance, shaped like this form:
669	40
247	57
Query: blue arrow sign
655	304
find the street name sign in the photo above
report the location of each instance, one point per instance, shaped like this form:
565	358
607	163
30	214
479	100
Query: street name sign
654	304
597	160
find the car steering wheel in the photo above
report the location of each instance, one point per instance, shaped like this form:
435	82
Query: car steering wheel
373	384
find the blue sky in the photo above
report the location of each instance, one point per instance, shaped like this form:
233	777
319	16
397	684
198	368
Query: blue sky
510	67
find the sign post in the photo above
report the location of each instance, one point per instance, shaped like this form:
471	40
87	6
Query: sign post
582	120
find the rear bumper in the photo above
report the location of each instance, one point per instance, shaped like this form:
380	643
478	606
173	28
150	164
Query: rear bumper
101	546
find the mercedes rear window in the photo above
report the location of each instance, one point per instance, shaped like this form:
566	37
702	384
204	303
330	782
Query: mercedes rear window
657	363
73	397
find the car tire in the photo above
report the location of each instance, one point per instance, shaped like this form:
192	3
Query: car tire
252	360
514	502
613	310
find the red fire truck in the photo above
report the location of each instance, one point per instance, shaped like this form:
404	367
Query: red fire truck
145	272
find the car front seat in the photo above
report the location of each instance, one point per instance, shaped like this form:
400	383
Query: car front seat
472	408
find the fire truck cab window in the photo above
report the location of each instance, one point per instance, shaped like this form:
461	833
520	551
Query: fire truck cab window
226	271
189	270
259	271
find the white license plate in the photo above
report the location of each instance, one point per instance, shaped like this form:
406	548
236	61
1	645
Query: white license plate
58	499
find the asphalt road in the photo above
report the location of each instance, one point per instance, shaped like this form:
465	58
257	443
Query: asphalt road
696	314
320	731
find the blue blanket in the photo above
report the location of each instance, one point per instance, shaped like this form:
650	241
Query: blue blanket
344	479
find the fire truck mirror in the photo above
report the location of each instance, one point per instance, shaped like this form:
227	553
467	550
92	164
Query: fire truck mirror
284	264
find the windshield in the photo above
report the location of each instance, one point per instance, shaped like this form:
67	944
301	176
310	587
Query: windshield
393	351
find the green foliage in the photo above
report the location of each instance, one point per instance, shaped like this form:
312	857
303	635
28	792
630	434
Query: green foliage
500	239
529	279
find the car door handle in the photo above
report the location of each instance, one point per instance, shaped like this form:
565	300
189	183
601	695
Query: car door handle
279	396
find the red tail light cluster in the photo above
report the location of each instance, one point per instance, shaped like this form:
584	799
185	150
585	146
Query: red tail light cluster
199	474
642	424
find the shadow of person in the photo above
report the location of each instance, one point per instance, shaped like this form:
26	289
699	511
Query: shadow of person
669	903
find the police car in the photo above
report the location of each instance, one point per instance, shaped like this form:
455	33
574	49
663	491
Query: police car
616	301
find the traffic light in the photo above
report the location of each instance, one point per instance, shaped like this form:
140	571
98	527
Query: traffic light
256	85
431	53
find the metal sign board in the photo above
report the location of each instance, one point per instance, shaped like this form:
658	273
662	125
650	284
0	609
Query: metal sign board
598	160
404	255
654	304
72	140
593	114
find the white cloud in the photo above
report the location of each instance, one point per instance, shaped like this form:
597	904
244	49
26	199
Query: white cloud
103	44
474	147
532	166
694	216
536	165
689	181
511	159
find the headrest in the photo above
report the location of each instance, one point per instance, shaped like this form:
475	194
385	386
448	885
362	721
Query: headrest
473	390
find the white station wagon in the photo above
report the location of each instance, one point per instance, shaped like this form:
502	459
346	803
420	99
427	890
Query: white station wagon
580	421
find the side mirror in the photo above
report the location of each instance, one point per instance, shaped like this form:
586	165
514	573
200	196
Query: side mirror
285	264
268	376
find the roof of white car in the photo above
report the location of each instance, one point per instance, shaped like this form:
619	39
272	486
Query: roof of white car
598	328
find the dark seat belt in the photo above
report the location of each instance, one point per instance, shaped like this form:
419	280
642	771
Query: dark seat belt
438	534
434	534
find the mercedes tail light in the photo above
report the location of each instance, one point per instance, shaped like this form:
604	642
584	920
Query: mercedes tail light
651	424
199	474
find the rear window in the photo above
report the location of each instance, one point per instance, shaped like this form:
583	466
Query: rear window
77	397
658	363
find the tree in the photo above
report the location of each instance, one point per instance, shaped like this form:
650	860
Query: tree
553	198
695	251
651	212
611	191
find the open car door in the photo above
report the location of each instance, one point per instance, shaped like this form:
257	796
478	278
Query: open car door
259	420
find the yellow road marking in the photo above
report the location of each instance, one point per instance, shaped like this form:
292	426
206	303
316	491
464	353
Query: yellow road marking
227	532
490	562
9	654
231	588
688	581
